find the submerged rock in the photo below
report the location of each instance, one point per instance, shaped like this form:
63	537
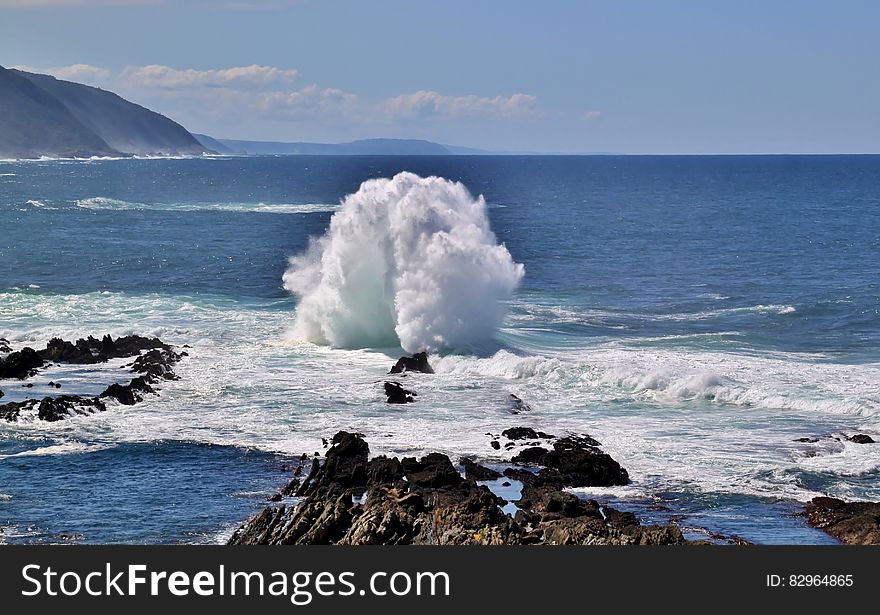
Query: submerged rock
4	345
854	523
416	363
426	501
397	394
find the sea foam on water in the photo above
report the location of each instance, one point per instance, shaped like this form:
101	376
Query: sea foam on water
409	261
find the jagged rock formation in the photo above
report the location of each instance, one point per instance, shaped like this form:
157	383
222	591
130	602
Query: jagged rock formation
352	499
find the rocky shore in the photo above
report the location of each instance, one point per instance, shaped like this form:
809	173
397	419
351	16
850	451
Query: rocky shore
352	499
153	362
852	523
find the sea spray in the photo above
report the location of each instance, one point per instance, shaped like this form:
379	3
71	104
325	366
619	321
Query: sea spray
409	261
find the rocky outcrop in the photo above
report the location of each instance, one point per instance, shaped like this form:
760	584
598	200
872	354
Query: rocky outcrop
861	438
153	366
22	364
416	363
4	345
397	394
854	523
574	461
352	499
92	350
51	409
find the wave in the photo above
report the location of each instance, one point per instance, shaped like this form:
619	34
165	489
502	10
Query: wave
610	372
36	203
106	203
407	261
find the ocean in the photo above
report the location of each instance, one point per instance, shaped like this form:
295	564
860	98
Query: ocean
695	314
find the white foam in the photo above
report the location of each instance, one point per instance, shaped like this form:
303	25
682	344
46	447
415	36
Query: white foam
675	418
105	203
409	261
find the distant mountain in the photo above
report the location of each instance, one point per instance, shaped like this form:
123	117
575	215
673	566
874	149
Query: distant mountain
34	123
392	147
212	144
44	116
362	147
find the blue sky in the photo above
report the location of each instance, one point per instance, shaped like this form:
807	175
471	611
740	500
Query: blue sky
633	76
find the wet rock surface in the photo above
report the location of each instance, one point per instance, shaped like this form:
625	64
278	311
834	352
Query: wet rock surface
352	499
861	438
854	523
397	394
21	364
416	363
154	365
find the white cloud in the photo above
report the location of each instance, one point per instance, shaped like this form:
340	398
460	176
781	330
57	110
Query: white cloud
426	103
158	76
592	116
81	73
309	100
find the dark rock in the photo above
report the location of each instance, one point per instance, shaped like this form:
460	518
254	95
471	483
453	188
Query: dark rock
807	440
91	350
4	345
495	444
477	472
861	439
397	394
434	470
855	523
524	433
12	410
57	408
575	462
128	394
21	364
1	393
505	483
533	454
157	364
517	405
416	363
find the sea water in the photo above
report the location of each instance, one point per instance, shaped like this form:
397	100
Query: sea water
697	315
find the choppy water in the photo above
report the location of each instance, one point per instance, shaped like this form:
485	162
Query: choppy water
695	314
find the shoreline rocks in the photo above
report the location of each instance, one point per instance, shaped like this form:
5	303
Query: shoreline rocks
352	499
852	523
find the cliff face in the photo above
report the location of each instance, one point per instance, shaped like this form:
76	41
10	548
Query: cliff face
34	123
44	116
